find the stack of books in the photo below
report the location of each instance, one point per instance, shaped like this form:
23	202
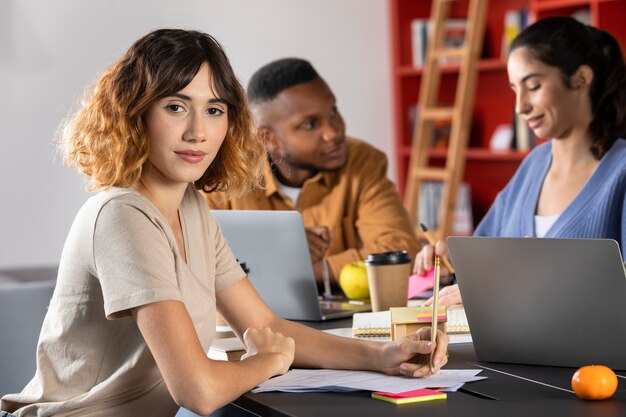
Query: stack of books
430	202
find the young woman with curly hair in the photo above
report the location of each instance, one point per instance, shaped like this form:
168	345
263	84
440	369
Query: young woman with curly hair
145	267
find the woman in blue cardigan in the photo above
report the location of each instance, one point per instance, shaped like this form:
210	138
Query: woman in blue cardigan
569	81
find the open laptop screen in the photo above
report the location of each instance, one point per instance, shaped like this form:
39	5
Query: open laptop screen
273	246
543	301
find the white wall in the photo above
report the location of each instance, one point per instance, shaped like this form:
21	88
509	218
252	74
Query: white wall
49	50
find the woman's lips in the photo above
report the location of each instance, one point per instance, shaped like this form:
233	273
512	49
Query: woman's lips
534	122
193	157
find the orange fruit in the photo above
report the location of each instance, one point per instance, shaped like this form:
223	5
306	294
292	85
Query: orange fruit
594	382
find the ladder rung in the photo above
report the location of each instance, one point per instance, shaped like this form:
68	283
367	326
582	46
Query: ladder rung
437	113
431	174
449	52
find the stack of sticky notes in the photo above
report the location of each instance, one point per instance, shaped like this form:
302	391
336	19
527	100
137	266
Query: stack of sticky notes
414	396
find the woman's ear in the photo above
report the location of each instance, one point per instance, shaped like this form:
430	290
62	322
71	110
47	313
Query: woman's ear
582	78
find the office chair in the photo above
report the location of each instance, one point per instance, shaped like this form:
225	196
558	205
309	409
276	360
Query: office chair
23	306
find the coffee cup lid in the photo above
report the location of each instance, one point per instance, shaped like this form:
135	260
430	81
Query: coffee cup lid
388	258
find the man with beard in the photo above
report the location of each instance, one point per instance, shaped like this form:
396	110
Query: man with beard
339	184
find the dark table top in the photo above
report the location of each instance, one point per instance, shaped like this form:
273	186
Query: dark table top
509	390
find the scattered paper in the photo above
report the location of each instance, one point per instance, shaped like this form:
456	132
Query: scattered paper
316	380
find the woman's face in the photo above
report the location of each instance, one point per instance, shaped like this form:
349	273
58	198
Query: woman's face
551	109
186	130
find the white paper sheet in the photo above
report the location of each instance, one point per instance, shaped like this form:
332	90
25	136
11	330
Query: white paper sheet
315	380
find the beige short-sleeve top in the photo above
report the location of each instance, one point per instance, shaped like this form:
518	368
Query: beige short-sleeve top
121	253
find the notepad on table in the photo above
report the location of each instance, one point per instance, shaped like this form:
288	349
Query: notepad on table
375	324
228	349
378	324
414	396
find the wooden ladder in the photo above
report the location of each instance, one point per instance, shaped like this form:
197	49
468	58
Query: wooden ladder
459	114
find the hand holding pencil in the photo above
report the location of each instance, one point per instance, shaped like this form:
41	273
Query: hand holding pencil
424	262
433	242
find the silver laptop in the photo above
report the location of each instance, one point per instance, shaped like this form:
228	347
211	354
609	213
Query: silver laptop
557	302
274	249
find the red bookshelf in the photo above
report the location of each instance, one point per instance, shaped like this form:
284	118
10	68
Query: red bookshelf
486	171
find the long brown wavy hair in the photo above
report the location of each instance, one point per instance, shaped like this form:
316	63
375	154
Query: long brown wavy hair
107	140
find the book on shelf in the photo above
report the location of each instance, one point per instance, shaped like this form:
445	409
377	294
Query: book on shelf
523	136
514	22
228	349
440	129
430	201
453	36
441	133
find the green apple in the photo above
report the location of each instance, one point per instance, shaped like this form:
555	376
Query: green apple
353	280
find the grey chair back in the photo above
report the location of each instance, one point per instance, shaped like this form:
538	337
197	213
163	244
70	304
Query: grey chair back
23	306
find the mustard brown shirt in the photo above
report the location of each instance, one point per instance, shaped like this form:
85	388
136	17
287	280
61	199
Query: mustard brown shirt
358	203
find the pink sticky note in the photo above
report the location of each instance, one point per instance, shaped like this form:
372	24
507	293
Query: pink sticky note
419	283
414	396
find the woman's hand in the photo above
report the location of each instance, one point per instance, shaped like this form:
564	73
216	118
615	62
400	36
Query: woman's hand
265	342
448	296
424	260
410	355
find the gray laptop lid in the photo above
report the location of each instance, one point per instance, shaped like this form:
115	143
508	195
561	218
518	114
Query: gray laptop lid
273	246
557	302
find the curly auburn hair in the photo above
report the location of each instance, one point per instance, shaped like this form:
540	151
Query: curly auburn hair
107	139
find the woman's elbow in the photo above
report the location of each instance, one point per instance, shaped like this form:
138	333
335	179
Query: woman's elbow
200	405
202	399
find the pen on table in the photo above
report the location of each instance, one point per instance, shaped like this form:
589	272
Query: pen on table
433	326
431	239
326	277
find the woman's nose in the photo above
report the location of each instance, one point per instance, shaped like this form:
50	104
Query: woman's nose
195	130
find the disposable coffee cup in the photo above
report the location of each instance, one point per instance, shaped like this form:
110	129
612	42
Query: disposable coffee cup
388	278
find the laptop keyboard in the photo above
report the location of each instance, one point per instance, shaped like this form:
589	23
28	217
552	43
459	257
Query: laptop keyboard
338	306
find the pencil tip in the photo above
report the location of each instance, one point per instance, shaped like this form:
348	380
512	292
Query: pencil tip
423	226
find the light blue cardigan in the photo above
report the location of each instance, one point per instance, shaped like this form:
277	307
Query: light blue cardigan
598	211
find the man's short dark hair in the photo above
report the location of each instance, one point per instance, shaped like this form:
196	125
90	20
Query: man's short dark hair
277	76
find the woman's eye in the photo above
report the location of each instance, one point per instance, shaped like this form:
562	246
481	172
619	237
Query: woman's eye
214	111
176	108
534	87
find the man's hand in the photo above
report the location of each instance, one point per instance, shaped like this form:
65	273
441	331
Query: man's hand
318	238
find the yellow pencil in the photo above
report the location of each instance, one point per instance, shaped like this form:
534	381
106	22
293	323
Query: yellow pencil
433	327
431	240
